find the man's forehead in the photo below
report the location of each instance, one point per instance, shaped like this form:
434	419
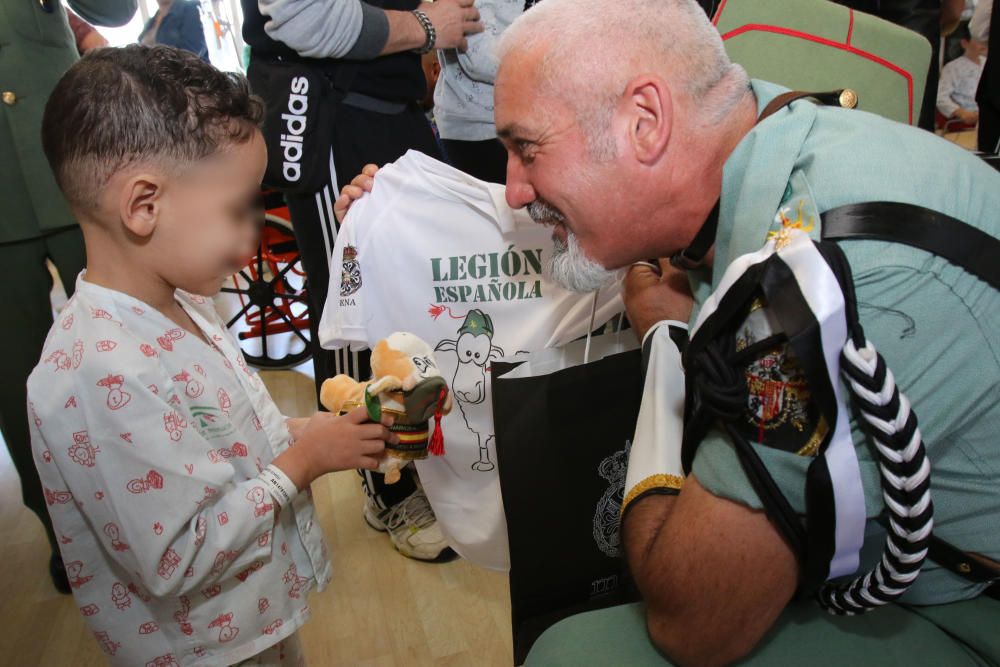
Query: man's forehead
520	108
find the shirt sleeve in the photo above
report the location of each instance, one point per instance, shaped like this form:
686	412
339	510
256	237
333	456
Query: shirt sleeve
105	12
127	449
480	62
946	88
327	28
343	321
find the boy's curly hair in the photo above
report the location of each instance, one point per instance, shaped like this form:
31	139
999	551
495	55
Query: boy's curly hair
116	107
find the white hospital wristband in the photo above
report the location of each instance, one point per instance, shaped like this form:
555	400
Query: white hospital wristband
281	488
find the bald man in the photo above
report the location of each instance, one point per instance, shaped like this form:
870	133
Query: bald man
631	133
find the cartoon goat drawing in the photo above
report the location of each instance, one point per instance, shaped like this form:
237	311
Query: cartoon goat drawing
475	349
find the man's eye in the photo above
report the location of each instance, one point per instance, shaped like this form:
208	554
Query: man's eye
525	151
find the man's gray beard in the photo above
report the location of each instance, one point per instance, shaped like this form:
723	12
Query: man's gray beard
572	269
570	266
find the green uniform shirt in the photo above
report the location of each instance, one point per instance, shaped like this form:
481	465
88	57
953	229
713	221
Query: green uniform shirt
36	49
937	326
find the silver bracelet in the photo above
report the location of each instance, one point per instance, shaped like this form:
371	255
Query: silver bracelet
429	30
281	488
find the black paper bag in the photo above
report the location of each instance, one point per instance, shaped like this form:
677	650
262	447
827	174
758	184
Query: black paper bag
563	432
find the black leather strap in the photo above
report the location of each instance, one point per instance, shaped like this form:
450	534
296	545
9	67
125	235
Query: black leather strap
961	244
962	563
693	256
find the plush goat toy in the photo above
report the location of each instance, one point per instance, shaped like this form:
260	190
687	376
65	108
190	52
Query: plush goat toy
406	384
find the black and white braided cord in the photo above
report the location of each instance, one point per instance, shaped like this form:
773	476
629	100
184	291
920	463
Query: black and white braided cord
906	481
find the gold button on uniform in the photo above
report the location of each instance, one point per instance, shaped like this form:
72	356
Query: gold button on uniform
848	98
9	98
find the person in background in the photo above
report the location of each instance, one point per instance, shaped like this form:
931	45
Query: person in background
86	36
377	120
959	79
36	225
432	72
176	23
463	101
988	95
927	17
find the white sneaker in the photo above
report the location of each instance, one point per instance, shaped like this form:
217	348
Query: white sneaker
412	528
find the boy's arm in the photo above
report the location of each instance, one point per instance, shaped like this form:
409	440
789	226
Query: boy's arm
143	472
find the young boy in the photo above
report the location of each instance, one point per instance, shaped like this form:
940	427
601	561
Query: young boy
959	79
166	465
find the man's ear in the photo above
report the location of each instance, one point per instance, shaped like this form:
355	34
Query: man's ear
650	109
141	203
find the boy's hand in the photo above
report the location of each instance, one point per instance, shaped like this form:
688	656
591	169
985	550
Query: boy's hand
356	189
328	443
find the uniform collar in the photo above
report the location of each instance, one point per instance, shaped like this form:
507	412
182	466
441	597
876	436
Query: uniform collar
756	174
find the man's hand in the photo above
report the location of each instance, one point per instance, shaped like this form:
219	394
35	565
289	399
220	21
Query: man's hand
653	295
328	443
356	189
453	20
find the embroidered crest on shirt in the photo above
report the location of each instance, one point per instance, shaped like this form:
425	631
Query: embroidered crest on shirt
350	275
211	421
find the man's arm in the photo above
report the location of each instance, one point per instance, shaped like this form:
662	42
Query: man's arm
104	12
714	574
355	30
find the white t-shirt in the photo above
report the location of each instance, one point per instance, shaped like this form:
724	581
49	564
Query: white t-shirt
438	253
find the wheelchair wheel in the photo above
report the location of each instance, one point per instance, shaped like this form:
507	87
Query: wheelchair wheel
265	304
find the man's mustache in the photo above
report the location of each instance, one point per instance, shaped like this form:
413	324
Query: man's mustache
544	213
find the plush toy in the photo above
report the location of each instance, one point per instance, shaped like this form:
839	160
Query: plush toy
406	384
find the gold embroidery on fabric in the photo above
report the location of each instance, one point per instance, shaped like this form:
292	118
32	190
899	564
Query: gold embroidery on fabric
811	448
660	481
783	236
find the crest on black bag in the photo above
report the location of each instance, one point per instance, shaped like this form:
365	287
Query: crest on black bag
780	412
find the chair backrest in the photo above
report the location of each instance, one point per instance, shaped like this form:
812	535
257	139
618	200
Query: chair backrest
816	45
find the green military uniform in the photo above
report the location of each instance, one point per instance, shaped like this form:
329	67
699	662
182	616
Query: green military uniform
938	328
36	48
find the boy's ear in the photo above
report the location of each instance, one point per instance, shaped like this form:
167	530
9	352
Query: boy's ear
140	203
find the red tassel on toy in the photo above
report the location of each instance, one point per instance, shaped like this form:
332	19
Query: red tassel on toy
436	446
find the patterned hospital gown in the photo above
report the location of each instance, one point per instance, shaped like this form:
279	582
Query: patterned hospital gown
149	442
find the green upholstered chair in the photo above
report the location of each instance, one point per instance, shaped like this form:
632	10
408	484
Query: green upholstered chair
815	45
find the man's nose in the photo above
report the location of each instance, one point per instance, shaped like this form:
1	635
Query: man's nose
519	190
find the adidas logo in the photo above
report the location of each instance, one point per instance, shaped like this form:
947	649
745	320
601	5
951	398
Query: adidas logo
295	126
